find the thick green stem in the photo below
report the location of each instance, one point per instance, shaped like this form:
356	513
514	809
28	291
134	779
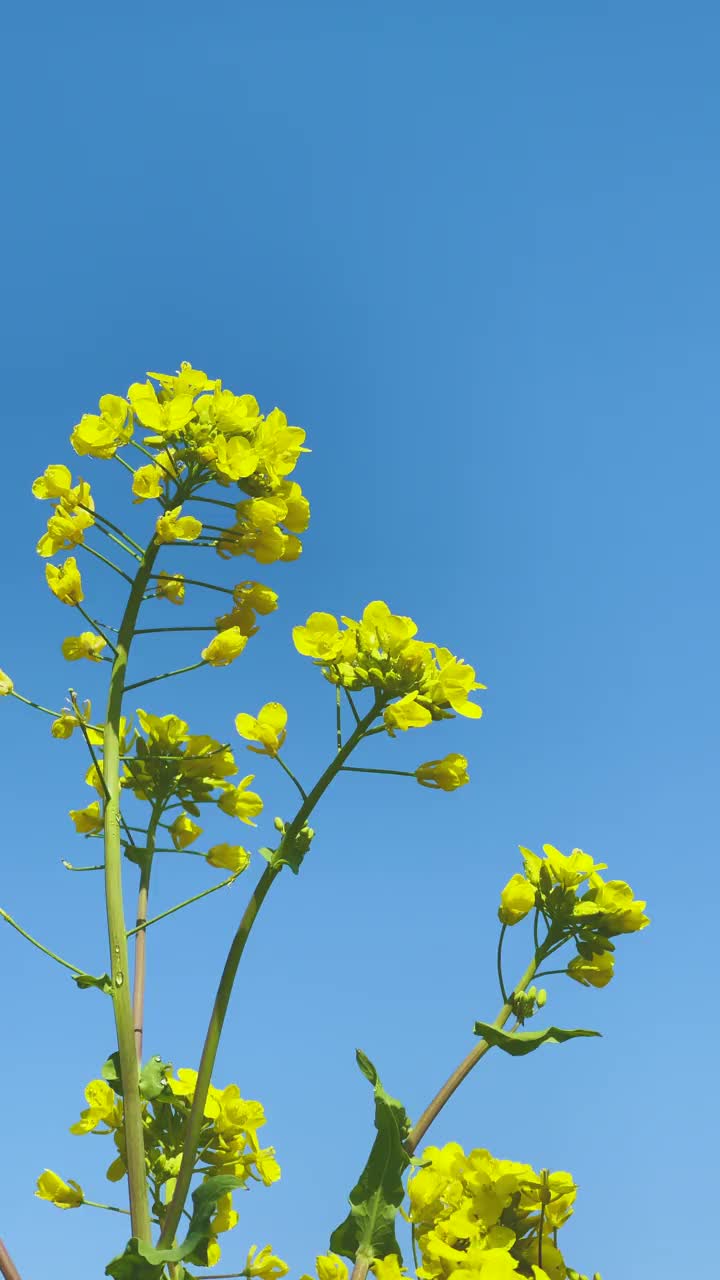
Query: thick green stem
476	1054
135	1147
227	980
139	931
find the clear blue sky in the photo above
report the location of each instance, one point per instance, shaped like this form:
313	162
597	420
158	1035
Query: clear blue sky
473	250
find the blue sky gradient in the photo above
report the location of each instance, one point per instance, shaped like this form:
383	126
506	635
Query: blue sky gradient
473	250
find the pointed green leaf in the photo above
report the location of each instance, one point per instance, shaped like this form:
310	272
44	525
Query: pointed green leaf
86	980
369	1228
521	1042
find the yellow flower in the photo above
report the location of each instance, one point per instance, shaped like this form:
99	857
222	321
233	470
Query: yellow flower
388	1268
184	831
516	900
172	527
225	1216
278	445
171	587
167	417
265	1265
240	803
445	775
147	483
162	731
88	821
595	972
330	1267
65	529
55	482
268	729
101	435
86	645
297	515
262	599
570	870
68	721
6	685
620	912
66	1195
65	582
452	684
229	857
408	713
186	381
320	637
225	647
103	1108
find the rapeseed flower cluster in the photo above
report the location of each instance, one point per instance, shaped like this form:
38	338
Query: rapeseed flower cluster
578	904
479	1218
380	652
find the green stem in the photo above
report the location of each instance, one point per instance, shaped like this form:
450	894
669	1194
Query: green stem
104	520
134	1138
35	705
179	906
398	773
471	1060
139	930
69	866
227	979
501	939
94	1204
46	950
166	675
96	627
216	502
338	717
548	973
151	631
123	463
292	777
194	582
86	547
353	708
171	475
98	771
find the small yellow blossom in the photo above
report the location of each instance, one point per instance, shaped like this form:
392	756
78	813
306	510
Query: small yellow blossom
174	527
330	1267
55	482
225	1216
103	1108
388	1268
86	645
101	435
240	803
268	728
184	831
171	587
65	529
88	821
65	582
6	685
320	637
516	900
147	482
67	721
445	775
408	713
66	1195
265	1265
225	647
229	857
595	972
260	598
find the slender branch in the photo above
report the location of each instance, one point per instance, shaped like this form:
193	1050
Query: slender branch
86	547
93	1204
69	866
139	930
292	777
8	1270
501	939
104	520
150	631
134	1137
398	773
35	705
227	979
123	463
96	627
171	475
453	1081
166	675
46	950
99	772
193	582
353	708
338	717
216	502
179	906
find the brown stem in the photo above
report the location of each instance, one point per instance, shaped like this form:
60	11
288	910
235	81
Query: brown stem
8	1270
455	1080
361	1268
140	937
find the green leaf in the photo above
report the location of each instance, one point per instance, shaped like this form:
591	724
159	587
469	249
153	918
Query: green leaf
111	1072
369	1228
521	1042
143	1262
86	980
